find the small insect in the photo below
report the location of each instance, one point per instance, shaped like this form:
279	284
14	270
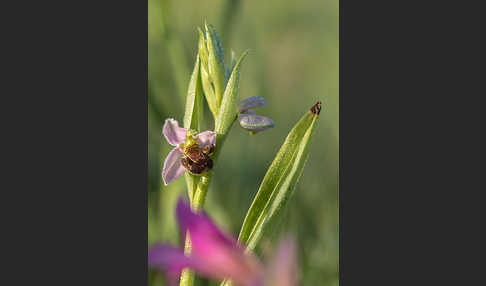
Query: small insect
197	161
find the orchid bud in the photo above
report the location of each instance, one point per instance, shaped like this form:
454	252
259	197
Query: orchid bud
215	62
249	120
251	103
255	123
206	80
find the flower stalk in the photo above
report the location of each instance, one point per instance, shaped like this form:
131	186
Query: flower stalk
207	250
195	152
221	98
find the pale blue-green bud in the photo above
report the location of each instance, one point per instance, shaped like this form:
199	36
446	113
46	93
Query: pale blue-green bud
251	103
255	123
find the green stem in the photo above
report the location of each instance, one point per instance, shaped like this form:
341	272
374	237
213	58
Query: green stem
197	203
199	196
187	275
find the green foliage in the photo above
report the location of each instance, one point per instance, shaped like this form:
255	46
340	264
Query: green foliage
212	67
205	76
228	111
225	112
279	181
215	62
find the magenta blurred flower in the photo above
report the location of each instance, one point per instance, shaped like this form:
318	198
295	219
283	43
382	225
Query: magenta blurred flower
218	256
177	137
282	270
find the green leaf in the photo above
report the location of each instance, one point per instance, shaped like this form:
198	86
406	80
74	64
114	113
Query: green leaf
280	180
215	62
193	116
228	110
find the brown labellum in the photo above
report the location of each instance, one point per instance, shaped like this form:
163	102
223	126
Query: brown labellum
196	161
197	168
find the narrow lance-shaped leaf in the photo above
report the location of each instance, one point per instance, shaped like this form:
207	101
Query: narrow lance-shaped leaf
193	115
280	180
228	110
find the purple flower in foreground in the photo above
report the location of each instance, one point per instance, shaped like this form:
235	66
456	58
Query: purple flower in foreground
282	270
218	256
183	140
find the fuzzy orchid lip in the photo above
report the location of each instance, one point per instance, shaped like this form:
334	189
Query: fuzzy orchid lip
219	256
175	136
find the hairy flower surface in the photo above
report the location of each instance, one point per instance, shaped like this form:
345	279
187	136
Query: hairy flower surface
182	139
218	256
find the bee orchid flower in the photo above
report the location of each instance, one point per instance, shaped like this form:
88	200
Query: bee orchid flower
218	256
248	118
182	139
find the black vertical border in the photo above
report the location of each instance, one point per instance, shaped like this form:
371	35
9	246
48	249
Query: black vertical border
370	171
406	141
79	212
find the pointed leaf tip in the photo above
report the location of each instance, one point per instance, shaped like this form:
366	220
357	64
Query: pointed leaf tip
316	108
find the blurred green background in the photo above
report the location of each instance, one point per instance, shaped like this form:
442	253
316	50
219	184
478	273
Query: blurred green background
293	62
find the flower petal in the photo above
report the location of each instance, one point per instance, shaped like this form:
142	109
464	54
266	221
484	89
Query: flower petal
206	138
255	123
174	134
201	226
164	257
251	102
173	260
173	168
282	270
220	253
